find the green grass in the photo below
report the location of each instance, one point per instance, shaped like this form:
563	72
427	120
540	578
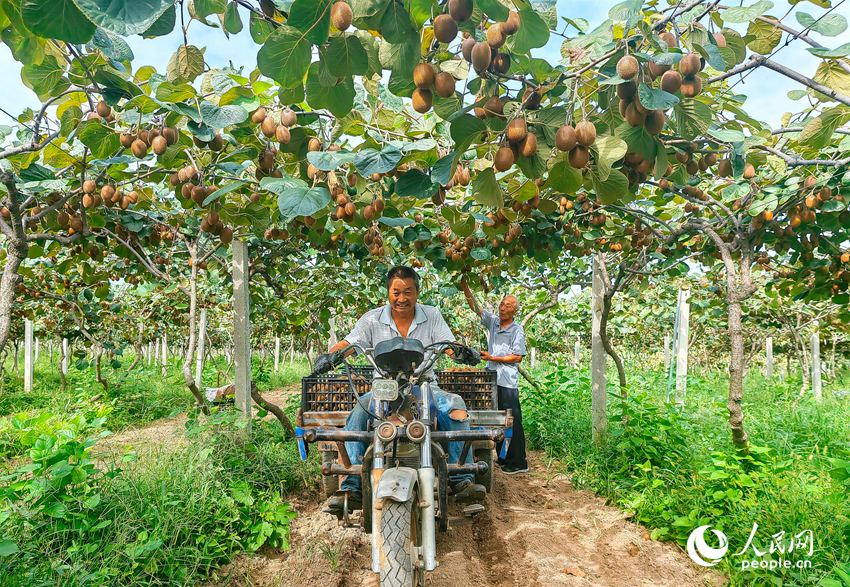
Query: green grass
676	468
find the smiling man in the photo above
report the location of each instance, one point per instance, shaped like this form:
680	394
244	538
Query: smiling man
404	316
505	350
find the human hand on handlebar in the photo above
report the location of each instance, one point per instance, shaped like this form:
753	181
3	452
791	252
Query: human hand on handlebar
466	355
325	362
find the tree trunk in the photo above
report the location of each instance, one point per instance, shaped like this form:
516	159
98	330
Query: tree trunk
16	252
288	430
98	353
609	348
736	374
189	353
62	377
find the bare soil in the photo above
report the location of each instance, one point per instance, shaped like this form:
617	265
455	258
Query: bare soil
538	530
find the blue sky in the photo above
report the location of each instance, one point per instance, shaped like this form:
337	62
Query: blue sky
766	90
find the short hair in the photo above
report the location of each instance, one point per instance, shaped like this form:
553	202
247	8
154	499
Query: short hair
402	272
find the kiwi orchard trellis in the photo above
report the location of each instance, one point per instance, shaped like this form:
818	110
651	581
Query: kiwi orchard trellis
635	144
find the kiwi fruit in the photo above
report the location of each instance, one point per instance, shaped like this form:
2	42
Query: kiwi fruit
216	144
444	84
423	76
268	127
634	116
655	121
669	38
516	130
144	135
529	146
199	142
585	133
170	134
107	192
226	235
565	138
267	160
579	157
504	158
422	100
496	36
259	115
341	16
159	145
720	39
627	67
511	25
749	171
691	86
126	139
139	148
103	109
89	186
460	10
481	56
445	28
622	107
692	167
494	106
531	99
282	134
314	144
502	63
657	69
626	90
288	117
88	201
671	81
466	48
690	64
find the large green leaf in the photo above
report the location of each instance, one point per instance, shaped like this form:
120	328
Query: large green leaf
57	19
369	161
763	37
302	201
486	189
285	56
338	97
162	25
832	75
741	14
345	55
185	64
826	53
691	118
174	92
368	13
329	160
612	189
232	21
608	150
102	141
125	17
467	128
401	58
494	9
312	17
533	31
829	25
44	78
656	99
203	8
112	45
420	10
818	132
395	25
415	183
224	116
564	178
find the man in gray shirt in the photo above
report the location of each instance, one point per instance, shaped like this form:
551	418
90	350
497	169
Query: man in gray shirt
505	350
403	316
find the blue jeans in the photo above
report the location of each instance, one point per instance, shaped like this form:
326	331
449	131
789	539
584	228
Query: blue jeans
444	403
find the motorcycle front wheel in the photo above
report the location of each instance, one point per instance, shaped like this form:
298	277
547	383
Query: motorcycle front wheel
400	545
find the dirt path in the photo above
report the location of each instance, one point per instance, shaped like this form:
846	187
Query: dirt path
538	531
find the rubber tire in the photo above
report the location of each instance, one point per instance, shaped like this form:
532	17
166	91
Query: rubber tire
397	569
330	483
485	479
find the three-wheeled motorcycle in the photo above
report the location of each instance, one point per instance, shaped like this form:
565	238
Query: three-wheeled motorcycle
405	473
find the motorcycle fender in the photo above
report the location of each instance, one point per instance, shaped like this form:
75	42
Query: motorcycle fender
397	484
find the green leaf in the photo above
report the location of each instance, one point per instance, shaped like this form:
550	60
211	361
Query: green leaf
225	189
222	116
395	24
691	118
313	17
420	10
346	56
727	135
608	150
44	78
832	75
232	20
415	183
763	37
162	25
102	141
444	168
285	56
112	45
338	98
656	99
174	92
486	189
369	161
125	17
741	14
302	201
829	25
368	13
8	548
532	33
466	129
329	160
613	189
185	64
259	28
203	8
400	58
394	222
57	19
494	9
825	53
818	132
564	178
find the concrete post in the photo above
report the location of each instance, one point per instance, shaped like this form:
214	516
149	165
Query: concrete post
577	353
682	346
202	339
276	354
533	357
666	353
817	385
65	353
599	418
242	329
768	359
28	350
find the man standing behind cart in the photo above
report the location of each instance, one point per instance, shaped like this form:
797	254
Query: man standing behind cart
505	350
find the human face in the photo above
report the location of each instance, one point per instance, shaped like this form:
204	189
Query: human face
402	296
507	309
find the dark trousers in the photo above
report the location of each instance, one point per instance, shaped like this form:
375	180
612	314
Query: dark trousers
509	400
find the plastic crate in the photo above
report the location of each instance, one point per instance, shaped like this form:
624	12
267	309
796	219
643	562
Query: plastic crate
332	392
477	387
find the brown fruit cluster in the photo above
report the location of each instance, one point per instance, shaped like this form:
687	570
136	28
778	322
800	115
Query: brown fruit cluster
485	55
373	241
576	141
157	139
461	177
277	130
212	224
635	113
266	164
102	111
689	67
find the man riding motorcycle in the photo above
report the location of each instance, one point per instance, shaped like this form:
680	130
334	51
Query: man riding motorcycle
402	316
